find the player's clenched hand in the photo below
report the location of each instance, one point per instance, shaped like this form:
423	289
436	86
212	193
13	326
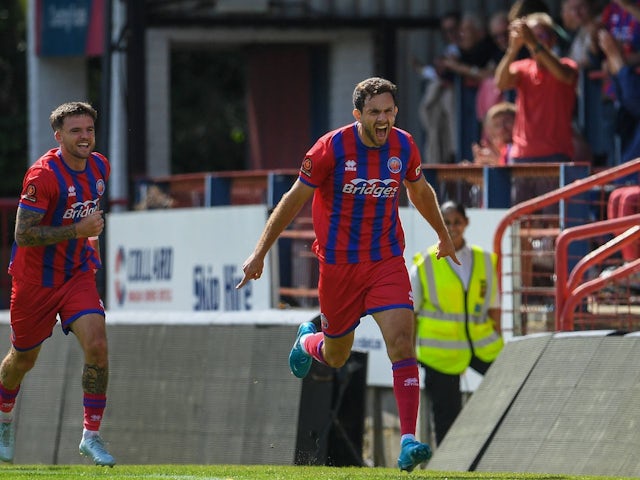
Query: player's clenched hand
252	268
91	225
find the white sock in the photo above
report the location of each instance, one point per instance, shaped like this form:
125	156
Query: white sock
89	433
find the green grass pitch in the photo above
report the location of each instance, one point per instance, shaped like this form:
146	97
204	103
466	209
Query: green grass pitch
254	472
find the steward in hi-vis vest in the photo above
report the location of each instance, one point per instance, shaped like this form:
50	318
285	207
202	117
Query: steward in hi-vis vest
453	323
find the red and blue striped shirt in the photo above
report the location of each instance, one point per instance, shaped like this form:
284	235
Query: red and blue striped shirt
64	196
355	205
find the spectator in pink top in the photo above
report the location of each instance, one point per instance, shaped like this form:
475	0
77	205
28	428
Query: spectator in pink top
545	88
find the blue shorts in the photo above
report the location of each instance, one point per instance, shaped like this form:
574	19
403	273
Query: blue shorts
350	291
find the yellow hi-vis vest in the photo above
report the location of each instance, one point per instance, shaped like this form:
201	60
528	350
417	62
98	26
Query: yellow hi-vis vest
453	324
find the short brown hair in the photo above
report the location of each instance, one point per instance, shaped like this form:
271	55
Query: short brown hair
370	87
70	109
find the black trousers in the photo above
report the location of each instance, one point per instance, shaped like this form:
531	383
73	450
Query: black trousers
443	391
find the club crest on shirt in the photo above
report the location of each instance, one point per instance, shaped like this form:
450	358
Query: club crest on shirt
394	164
306	167
30	193
100	187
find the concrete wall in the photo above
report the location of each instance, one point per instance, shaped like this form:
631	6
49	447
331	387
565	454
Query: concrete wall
178	394
563	404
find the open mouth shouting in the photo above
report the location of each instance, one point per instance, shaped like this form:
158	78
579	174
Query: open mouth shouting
381	133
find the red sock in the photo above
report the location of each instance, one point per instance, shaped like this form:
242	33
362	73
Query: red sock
94	405
313	346
406	388
8	398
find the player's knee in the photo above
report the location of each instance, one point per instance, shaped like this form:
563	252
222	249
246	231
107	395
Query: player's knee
96	351
402	347
336	359
22	362
26	364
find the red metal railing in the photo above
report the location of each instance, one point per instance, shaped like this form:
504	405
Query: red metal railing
570	292
554	197
527	299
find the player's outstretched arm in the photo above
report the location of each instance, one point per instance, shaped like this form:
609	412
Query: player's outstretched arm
423	197
282	216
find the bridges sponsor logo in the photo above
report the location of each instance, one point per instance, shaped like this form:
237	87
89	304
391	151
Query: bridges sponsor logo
81	209
375	187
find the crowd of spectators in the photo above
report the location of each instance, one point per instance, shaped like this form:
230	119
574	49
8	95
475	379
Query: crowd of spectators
526	57
519	79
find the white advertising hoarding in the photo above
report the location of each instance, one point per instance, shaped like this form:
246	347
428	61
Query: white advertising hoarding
191	259
184	259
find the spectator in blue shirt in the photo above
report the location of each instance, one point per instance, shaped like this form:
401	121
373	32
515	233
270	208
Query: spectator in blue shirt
626	83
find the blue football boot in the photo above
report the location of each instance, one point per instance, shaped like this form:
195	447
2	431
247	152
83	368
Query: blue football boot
412	454
299	360
93	447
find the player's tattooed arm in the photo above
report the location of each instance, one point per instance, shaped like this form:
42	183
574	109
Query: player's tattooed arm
30	233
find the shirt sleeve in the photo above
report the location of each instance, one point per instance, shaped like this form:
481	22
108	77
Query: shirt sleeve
414	171
37	190
316	165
